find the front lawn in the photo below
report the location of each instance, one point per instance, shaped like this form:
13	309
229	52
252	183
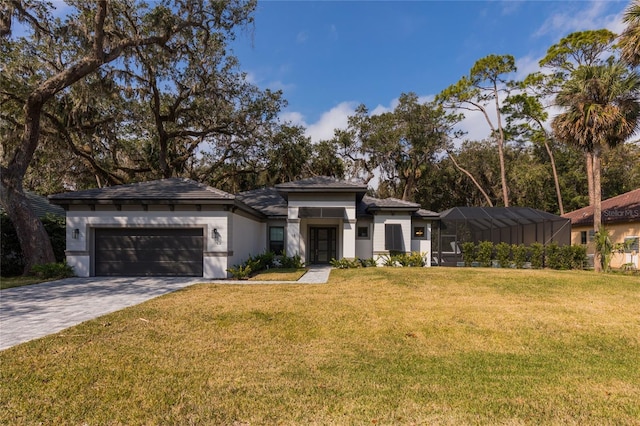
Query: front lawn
19	281
279	274
373	346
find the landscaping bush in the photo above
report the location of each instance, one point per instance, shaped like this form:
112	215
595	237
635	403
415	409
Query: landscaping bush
368	263
537	255
520	252
553	258
346	263
485	253
468	253
578	256
503	255
53	271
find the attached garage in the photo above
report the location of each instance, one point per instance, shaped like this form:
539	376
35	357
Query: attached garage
167	227
148	252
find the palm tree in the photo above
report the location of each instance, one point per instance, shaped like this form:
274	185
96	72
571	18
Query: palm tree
601	110
629	41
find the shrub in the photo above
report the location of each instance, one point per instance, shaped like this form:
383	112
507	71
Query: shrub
579	256
520	252
503	254
537	255
368	263
293	262
468	253
485	253
345	263
553	258
53	270
241	272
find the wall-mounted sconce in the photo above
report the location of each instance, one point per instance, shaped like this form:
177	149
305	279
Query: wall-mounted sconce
217	238
76	234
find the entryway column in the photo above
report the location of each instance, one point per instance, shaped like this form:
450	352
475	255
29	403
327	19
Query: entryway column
293	232
349	238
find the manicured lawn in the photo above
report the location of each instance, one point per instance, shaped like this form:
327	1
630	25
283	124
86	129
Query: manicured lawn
374	346
279	274
8	282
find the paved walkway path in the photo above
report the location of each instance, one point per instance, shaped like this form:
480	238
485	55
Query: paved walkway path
37	310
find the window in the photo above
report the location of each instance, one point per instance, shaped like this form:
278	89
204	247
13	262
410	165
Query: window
363	232
631	244
418	232
393	240
586	236
276	239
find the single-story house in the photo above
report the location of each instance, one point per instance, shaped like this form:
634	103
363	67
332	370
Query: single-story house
621	217
181	227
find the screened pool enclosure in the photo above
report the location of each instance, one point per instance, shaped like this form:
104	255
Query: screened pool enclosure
511	225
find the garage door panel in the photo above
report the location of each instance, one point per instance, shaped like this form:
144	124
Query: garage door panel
149	251
149	269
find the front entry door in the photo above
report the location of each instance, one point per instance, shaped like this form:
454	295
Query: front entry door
323	245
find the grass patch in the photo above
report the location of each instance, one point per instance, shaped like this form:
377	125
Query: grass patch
279	274
8	282
374	345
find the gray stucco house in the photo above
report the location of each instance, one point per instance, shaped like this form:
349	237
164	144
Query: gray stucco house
180	227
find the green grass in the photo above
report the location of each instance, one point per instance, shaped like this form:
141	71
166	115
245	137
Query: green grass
8	282
279	274
373	346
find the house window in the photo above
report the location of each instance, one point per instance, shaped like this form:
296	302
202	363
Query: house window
393	240
631	244
276	239
418	232
586	236
363	232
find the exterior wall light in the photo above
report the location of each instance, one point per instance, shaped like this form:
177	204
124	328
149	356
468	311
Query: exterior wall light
217	238
76	234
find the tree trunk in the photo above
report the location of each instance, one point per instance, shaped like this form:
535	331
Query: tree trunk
33	238
475	182
589	157
597	204
555	176
503	172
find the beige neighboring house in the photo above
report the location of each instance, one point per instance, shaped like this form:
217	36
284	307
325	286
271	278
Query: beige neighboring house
621	216
181	227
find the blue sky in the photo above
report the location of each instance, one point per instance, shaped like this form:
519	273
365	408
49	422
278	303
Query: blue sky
330	56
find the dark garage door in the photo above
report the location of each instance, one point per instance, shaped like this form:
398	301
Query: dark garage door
148	251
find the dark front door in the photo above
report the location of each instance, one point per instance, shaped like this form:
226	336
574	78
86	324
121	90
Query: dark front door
323	244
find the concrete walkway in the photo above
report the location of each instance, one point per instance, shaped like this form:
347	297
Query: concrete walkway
37	310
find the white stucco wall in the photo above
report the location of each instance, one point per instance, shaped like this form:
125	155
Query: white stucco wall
379	222
248	236
80	249
422	245
364	246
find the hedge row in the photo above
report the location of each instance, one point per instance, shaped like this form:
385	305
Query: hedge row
536	255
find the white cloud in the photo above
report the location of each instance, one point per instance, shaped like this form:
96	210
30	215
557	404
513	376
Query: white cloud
594	16
336	118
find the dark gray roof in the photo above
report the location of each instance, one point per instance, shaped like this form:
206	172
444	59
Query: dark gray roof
41	206
172	190
499	216
395	204
369	205
321	184
265	200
